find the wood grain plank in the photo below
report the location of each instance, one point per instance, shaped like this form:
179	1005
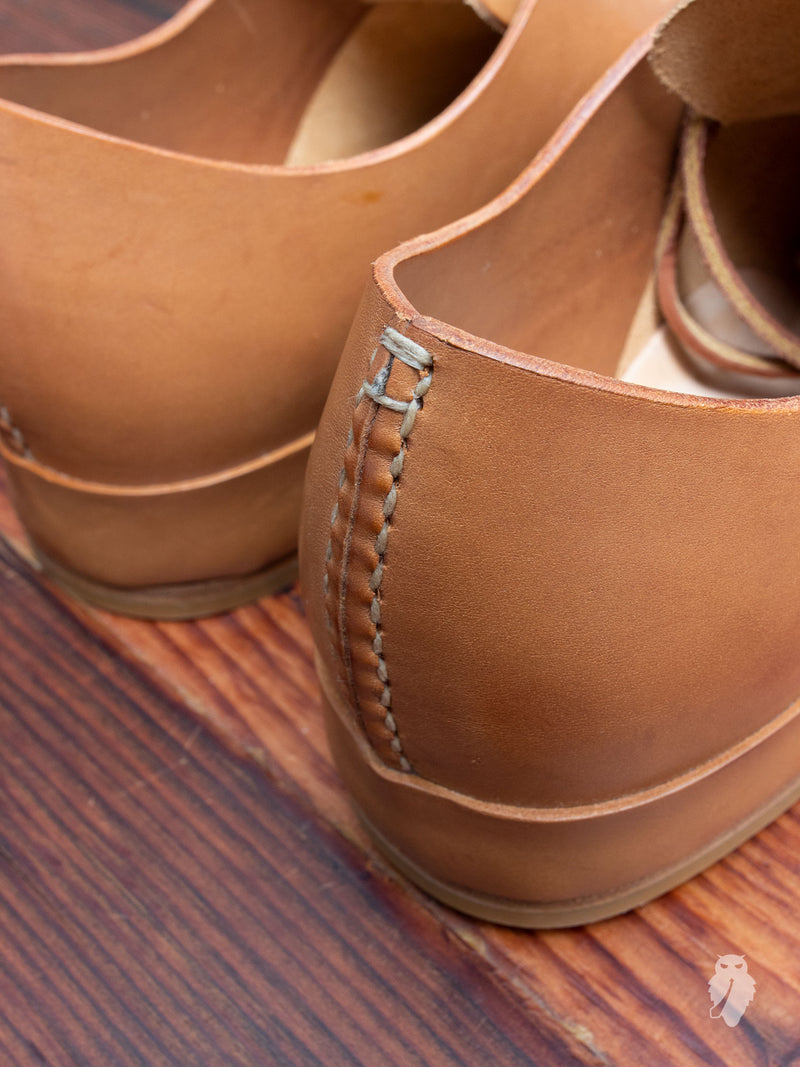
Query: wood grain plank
162	902
76	25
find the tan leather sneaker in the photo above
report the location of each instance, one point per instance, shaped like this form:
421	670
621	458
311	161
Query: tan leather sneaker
553	602
187	223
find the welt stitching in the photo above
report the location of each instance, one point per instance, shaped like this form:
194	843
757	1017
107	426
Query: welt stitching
415	356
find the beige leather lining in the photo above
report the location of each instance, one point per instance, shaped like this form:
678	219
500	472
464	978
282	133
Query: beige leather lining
654	357
401	66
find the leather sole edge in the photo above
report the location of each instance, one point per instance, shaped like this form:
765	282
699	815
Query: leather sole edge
536	868
178	602
582	911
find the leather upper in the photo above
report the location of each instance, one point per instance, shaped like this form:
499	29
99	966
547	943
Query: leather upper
586	587
174	299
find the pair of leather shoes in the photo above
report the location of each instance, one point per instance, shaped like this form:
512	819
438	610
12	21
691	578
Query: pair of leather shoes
549	502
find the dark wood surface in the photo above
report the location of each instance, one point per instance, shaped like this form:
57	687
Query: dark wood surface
182	881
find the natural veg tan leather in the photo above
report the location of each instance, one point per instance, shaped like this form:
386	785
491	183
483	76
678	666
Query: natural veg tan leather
174	295
553	611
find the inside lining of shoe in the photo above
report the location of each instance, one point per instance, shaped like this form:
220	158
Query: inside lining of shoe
402	66
566	273
256	82
560	273
752	180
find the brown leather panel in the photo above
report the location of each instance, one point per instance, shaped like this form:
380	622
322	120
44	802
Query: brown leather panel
224	79
569	289
229	528
617	594
555	856
138	333
578	600
732	60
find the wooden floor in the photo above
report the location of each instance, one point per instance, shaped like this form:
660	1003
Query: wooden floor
183	883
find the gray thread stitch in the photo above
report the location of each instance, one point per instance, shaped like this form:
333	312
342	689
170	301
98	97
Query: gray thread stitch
419	359
416	357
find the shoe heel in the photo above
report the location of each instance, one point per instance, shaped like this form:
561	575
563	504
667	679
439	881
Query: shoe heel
556	867
175	551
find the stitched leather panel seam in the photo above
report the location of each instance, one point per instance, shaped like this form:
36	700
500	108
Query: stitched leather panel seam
416	357
402	350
